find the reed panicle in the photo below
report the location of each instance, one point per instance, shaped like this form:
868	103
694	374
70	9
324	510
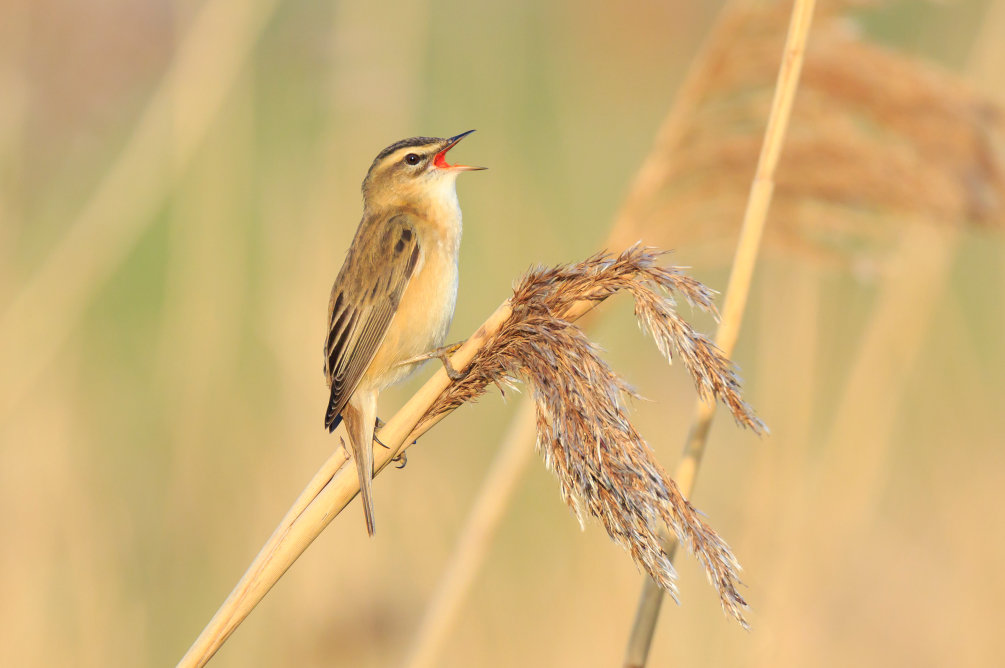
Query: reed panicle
603	465
556	291
877	139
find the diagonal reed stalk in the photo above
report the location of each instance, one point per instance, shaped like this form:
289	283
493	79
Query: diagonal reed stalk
209	59
475	537
748	246
601	462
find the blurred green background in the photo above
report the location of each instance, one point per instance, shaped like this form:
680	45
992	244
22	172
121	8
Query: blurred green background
181	177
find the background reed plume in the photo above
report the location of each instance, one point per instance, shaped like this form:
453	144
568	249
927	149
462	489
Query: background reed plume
878	143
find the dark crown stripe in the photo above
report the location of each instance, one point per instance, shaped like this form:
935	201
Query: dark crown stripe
411	141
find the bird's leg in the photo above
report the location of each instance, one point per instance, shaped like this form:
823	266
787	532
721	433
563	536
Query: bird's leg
442	353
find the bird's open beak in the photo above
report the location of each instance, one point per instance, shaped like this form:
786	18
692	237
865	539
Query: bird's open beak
441	158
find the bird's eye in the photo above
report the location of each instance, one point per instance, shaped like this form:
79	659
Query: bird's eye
412	159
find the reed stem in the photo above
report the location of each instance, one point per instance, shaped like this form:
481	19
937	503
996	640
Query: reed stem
738	289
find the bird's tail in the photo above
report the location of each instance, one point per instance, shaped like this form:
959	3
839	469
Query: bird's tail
360	416
364	469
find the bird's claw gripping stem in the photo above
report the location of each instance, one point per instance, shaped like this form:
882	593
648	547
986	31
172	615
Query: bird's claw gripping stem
378	423
444	355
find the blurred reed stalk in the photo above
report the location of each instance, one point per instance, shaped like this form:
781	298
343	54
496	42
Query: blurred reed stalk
475	538
858	446
602	464
738	289
205	286
388	33
13	115
866	411
175	122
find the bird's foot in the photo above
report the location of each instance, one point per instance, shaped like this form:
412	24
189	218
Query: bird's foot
401	459
377	424
443	354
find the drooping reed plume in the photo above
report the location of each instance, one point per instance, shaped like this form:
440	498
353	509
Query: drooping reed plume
603	465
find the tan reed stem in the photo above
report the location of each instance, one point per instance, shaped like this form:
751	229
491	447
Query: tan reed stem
333	487
476	537
465	561
738	288
42	315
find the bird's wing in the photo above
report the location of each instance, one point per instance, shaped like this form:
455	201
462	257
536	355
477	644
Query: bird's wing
364	299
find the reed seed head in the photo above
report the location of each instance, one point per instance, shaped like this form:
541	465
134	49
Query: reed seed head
604	467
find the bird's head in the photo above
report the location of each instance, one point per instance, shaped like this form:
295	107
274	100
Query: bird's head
413	171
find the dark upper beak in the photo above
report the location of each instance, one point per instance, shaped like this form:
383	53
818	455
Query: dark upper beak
456	138
441	160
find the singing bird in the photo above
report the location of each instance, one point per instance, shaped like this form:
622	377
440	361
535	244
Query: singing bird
394	297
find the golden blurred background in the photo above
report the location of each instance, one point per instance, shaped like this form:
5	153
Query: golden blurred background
179	182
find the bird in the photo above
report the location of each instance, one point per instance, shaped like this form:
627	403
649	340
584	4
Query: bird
393	299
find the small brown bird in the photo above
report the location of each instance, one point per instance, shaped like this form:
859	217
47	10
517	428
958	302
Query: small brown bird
394	297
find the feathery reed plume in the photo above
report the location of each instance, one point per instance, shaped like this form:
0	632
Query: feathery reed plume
584	435
557	291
